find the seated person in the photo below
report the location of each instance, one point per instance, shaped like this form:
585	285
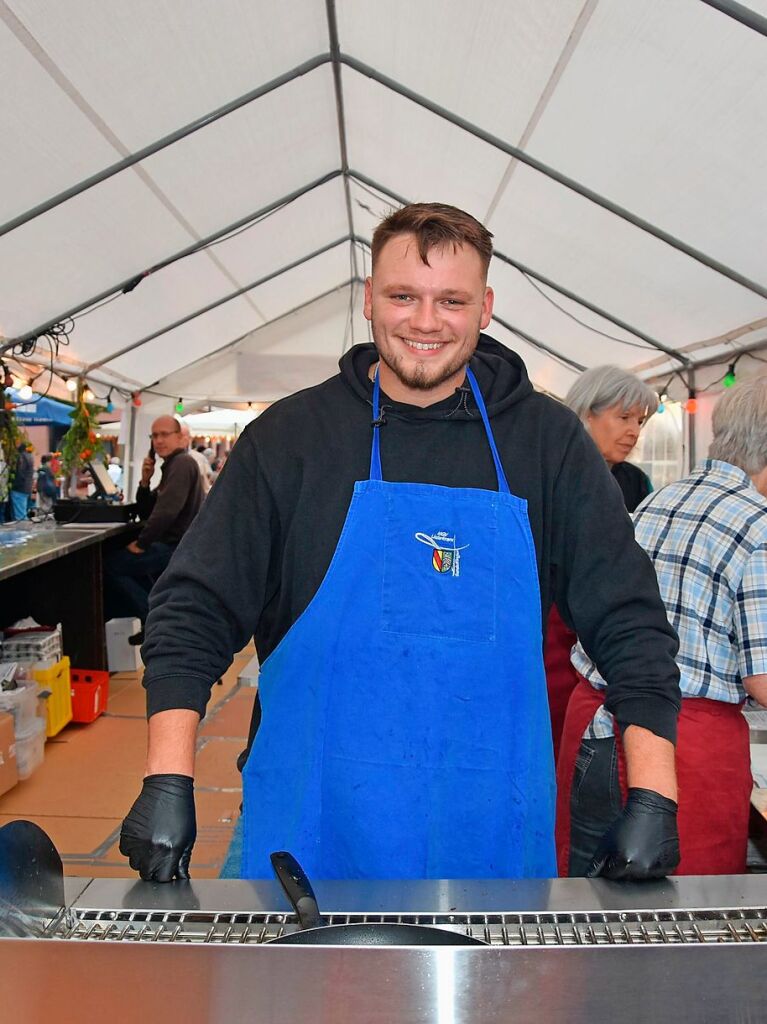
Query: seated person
707	538
167	513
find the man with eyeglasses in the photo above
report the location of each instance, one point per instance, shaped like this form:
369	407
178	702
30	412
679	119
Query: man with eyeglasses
166	512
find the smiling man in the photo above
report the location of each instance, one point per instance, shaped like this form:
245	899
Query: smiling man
392	537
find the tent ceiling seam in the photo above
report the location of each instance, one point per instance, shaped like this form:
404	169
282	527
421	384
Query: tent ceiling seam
562	179
571	44
727	338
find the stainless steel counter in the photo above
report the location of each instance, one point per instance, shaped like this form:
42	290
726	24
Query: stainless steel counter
44	542
56	575
565	950
558	895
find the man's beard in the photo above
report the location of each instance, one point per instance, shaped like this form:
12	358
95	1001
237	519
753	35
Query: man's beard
419	378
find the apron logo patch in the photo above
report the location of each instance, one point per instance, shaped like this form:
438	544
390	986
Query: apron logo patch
445	553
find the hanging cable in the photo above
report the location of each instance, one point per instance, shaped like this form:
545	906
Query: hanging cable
571	316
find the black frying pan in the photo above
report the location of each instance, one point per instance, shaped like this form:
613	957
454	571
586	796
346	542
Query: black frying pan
314	931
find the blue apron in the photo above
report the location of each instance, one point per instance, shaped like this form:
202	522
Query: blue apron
405	727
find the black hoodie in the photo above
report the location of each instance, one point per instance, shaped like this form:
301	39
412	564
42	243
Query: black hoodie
261	545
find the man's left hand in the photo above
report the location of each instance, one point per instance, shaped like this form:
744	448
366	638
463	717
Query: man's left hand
642	843
134	548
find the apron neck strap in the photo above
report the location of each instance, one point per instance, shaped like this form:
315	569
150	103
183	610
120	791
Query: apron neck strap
375	454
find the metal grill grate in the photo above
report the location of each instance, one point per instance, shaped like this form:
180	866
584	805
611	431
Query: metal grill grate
688	927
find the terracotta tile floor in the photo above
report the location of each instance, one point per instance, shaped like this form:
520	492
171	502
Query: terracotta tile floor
91	775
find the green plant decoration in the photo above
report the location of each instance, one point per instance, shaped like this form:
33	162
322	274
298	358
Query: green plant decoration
11	436
80	443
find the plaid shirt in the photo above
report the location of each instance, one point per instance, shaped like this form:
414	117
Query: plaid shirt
707	538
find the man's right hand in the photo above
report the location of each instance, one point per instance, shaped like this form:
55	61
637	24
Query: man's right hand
147	471
159	832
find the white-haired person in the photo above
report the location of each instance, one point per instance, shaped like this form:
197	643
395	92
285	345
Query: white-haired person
706	535
613	405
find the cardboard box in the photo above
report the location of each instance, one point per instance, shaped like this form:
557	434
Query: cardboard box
122	656
8	773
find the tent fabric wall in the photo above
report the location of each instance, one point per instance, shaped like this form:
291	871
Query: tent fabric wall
656	108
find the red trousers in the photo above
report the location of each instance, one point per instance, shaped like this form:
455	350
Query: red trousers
713	769
561	677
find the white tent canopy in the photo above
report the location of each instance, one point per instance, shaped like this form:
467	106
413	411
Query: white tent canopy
219	421
195	185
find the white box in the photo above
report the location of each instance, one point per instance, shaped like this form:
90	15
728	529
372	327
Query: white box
122	656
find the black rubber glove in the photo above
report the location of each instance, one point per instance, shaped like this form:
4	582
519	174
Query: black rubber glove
642	843
159	832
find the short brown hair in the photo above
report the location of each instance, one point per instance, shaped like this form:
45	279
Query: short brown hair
434	225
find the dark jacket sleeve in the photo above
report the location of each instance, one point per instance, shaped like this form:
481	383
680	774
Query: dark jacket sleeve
207	603
145	499
181	477
607	589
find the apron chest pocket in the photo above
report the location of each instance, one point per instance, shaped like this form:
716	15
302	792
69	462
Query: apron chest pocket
440	581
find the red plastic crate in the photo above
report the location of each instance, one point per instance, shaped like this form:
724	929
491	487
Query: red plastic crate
90	693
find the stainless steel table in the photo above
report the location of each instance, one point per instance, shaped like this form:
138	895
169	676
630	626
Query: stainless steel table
569	951
55	575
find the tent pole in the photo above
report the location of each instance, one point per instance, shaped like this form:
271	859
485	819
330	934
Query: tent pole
335	50
128	453
740	13
692	421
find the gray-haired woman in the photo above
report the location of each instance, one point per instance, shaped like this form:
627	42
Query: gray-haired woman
614	405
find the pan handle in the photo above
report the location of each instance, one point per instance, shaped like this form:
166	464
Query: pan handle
297	888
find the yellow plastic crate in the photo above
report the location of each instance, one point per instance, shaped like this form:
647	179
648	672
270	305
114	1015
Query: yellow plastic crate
58	707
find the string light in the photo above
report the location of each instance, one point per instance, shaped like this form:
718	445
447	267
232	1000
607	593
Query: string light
691	405
110	404
729	377
180	406
71	383
88	395
136	398
25	392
